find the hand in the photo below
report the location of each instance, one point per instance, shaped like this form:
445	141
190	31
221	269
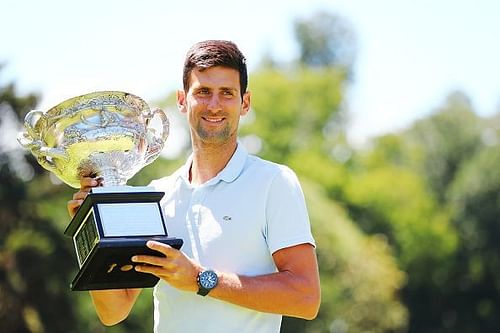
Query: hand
175	267
86	184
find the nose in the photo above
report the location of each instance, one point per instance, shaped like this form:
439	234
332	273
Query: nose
214	103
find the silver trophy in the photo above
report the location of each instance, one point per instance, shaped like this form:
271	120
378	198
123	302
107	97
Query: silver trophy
107	134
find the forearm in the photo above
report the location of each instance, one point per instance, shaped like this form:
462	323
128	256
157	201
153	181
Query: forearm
113	306
280	292
294	290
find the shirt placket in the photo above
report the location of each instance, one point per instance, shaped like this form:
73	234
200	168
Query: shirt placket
193	219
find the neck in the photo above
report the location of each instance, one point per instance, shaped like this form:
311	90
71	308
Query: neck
209	160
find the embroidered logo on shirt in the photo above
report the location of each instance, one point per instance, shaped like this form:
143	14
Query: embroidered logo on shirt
227	218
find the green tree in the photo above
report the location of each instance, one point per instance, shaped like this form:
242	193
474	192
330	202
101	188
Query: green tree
325	40
360	279
295	110
433	190
452	156
33	256
474	198
386	195
446	138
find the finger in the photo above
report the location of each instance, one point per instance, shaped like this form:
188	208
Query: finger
88	182
80	195
155	270
150	260
167	250
73	206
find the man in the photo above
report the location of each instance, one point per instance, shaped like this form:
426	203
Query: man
248	255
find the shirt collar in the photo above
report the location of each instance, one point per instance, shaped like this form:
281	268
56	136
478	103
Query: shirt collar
230	172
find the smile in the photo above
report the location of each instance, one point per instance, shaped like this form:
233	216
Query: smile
213	120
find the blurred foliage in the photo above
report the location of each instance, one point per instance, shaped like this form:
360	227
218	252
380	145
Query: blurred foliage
292	108
32	279
326	40
448	137
394	201
406	227
433	190
360	279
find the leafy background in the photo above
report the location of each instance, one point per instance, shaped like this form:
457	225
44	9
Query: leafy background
406	226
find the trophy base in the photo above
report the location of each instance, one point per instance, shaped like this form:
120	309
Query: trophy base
109	265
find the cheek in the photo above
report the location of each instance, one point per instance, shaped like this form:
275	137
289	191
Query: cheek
193	106
191	102
233	105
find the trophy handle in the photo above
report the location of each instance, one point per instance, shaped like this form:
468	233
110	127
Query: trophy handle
156	142
30	121
46	156
31	140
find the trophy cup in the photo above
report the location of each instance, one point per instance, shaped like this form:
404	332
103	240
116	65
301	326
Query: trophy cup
107	134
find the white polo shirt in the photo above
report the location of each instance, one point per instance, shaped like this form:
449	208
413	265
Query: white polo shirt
233	223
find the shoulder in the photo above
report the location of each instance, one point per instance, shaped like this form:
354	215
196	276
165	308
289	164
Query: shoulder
273	171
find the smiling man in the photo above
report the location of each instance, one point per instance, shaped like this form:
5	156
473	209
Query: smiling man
249	256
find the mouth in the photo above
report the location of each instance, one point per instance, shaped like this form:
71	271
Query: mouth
214	120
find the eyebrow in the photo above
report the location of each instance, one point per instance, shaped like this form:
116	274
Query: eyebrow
228	88
220	89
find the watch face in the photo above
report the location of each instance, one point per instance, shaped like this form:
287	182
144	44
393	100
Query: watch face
208	279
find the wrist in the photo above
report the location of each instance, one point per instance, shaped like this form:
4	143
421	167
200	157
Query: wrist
207	280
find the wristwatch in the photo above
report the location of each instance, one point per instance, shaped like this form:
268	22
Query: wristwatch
207	280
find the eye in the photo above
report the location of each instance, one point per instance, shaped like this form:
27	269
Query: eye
227	93
203	91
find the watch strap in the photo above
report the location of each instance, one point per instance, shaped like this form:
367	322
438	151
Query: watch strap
202	291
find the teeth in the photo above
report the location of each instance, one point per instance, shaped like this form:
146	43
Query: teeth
211	120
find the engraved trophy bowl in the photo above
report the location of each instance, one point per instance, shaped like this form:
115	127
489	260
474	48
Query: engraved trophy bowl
105	134
109	134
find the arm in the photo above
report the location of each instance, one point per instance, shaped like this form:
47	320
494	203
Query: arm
293	291
112	306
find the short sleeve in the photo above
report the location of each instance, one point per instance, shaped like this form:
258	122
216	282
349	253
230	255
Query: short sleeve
286	212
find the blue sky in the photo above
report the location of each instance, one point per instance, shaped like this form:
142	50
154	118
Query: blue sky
411	54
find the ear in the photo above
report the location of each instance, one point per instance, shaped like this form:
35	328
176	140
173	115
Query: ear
181	101
245	103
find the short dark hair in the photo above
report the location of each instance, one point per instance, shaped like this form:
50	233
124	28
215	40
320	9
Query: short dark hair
211	53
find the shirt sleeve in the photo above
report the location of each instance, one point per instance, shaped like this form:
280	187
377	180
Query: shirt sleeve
286	212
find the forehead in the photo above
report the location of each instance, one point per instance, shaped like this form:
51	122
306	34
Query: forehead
214	77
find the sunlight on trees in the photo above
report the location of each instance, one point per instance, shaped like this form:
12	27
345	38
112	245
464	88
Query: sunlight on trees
406	228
